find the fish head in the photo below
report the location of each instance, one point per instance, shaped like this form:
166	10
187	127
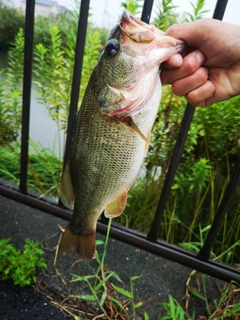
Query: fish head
128	69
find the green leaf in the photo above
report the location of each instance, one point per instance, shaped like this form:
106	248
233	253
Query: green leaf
122	291
103	298
115	275
104	280
85	297
80	278
99	242
97	257
138	304
235	309
146	317
196	293
135	277
117	302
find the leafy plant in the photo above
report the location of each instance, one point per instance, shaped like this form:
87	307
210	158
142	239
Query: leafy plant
195	246
133	6
227	305
53	69
44	167
20	267
106	294
198	11
165	15
11	92
174	310
12	20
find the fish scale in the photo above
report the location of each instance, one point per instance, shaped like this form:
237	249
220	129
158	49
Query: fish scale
113	128
109	159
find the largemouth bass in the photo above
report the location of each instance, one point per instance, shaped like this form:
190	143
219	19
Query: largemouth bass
113	128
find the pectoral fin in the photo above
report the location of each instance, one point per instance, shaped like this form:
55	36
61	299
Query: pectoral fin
66	188
115	208
136	129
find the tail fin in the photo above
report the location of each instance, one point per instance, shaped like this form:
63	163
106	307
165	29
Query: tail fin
83	244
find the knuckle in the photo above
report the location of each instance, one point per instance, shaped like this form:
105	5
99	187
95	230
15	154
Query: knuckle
178	88
191	64
193	98
202	75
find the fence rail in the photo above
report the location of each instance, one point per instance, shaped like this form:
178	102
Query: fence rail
149	242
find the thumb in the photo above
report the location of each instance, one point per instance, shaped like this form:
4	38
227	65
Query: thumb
193	33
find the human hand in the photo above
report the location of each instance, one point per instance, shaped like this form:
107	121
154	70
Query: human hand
208	71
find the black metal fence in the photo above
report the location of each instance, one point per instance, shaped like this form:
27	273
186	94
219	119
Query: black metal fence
150	242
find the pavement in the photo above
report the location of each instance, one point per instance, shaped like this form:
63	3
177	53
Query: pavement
158	277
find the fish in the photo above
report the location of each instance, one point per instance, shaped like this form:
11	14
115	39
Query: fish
113	128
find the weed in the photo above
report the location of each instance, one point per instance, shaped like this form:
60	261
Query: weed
195	246
227	305
20	267
174	310
105	293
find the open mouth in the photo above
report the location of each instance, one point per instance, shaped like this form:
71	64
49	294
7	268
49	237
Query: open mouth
141	32
136	30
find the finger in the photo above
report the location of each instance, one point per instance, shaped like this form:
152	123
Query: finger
201	95
175	61
182	86
190	64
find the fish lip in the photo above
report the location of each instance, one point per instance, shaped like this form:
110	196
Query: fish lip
127	17
180	45
129	24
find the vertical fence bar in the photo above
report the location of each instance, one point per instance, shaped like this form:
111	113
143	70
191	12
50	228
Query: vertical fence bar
27	80
187	118
222	210
79	53
147	10
220	9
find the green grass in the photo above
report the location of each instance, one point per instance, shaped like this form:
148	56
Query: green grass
44	168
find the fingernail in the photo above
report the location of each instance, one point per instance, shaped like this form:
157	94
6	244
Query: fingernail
176	60
200	56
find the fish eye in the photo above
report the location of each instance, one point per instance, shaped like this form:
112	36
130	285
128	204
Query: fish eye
112	47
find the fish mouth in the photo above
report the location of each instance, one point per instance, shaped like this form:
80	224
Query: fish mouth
135	29
140	32
147	47
180	45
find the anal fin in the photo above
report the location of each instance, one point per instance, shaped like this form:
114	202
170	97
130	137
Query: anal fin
116	208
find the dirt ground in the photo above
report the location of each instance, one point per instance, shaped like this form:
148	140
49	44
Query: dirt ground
52	296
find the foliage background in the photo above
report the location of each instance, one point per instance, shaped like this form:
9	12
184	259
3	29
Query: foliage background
210	151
